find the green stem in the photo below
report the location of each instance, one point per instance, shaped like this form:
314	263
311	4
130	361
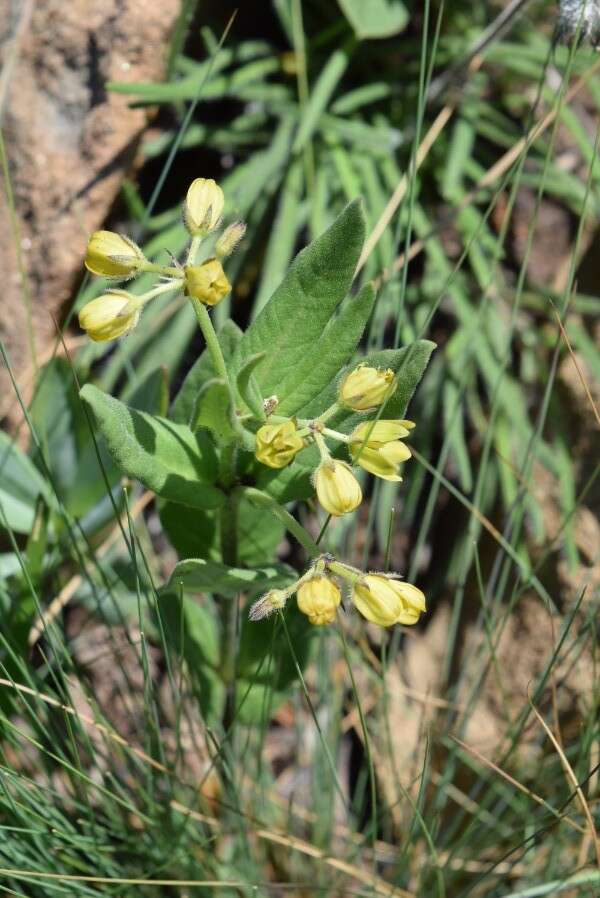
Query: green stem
162	269
322	447
193	250
162	288
229	608
328	413
263	500
218	360
336	435
210	336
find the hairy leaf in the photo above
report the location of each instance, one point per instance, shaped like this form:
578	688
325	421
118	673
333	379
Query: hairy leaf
201	575
290	326
166	457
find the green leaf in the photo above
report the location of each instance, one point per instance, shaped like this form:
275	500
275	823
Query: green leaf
191	531
248	388
151	394
20	486
184	404
213	411
166	457
201	575
195	533
375	18
266	667
64	432
192	633
335	346
291	324
258	535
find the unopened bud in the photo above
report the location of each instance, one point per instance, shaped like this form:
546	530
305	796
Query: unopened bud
366	388
338	490
229	239
203	207
113	255
207	282
109	316
278	444
272	601
319	599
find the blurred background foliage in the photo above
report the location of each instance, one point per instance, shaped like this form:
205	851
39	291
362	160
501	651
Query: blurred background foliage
481	134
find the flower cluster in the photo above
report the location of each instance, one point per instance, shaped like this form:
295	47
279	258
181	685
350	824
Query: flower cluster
374	445
381	598
118	258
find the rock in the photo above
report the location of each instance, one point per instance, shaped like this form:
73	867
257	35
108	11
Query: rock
69	144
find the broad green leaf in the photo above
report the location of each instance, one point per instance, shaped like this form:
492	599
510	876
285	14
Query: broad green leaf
259	535
213	411
63	430
331	353
20	486
288	222
151	394
248	388
266	668
375	18
184	404
166	457
192	633
195	533
201	575
291	324
192	531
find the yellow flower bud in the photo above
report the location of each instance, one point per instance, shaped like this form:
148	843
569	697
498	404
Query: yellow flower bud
379	432
382	453
113	256
278	444
319	599
385	601
383	462
203	207
109	316
366	388
338	490
229	239
207	282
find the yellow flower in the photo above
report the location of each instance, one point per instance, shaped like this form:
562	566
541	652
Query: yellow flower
319	599
382	453
278	444
109	316
338	490
229	239
112	255
366	388
385	601
379	432
207	282
203	207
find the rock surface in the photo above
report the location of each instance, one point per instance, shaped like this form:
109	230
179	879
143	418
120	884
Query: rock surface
69	143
